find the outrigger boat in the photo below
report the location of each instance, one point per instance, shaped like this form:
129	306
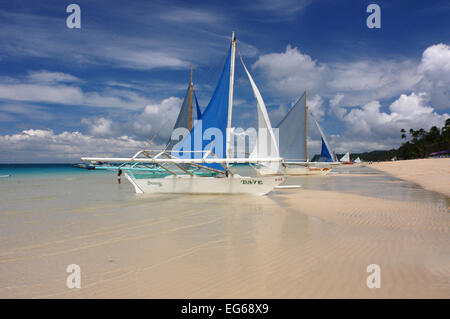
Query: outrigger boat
293	144
201	163
345	160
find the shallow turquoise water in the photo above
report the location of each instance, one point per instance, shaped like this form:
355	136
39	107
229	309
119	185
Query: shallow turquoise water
42	170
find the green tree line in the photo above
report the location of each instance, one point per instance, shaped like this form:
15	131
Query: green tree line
422	143
417	144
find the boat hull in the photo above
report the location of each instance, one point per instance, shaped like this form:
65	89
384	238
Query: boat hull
299	170
185	184
295	169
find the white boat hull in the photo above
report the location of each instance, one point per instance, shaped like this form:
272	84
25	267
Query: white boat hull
258	185
293	169
306	170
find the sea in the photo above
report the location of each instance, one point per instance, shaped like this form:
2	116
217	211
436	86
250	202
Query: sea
217	246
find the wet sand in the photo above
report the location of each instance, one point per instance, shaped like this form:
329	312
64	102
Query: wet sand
430	173
312	242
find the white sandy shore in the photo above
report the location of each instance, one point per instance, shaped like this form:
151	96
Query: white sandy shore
301	243
430	173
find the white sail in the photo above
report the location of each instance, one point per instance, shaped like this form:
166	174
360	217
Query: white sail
345	158
358	160
266	144
201	168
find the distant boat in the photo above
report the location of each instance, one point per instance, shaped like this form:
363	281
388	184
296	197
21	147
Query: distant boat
358	160
85	166
346	159
7	175
293	144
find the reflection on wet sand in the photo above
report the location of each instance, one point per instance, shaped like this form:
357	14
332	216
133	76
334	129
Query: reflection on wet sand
315	241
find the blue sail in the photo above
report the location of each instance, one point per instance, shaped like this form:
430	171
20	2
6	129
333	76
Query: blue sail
325	153
199	113
210	131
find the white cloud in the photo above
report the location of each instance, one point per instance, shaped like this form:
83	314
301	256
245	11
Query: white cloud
358	82
46	146
116	47
277	114
315	106
157	118
186	15
436	58
47	87
290	72
336	100
356	90
382	129
286	9
335	106
51	77
41	93
18	112
435	68
100	127
145	59
366	80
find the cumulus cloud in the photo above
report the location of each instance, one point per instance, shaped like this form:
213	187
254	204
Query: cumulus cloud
369	123
47	146
315	106
101	127
105	136
435	68
358	82
356	91
155	119
290	72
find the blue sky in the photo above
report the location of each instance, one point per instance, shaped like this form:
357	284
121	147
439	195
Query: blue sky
111	85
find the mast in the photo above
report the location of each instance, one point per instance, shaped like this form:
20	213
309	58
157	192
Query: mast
191	91
230	95
306	130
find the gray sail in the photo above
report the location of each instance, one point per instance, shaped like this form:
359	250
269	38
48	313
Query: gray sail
182	120
291	132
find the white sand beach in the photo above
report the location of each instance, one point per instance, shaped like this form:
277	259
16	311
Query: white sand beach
312	242
430	173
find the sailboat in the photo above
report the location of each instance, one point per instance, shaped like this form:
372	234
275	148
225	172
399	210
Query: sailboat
187	115
293	144
346	159
358	160
201	163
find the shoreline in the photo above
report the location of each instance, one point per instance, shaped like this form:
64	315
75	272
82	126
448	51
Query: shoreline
312	242
430	173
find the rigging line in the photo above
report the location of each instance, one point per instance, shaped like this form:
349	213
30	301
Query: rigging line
150	142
